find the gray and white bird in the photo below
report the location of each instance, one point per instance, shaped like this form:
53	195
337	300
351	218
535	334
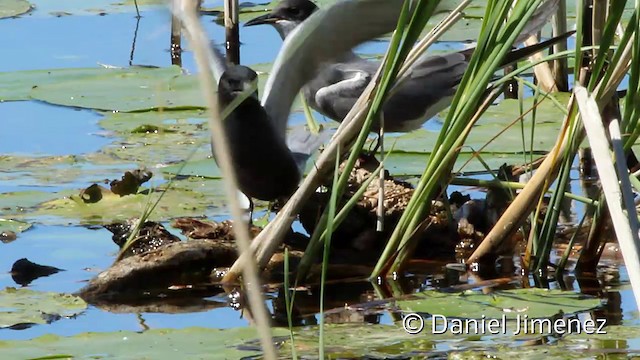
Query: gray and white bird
429	89
267	161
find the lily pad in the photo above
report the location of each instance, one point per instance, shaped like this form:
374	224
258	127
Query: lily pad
535	303
63	171
158	137
201	167
174	121
618	342
132	89
16	85
191	197
13	225
89	7
159	149
247	10
10	8
348	341
19	201
24	306
123	90
188	343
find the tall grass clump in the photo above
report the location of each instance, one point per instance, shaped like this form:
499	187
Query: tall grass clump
503	22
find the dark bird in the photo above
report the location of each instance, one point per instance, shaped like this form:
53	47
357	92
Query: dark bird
265	166
429	89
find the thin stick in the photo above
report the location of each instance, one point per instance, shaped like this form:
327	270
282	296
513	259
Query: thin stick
542	71
135	3
175	48
560	68
232	31
187	11
380	210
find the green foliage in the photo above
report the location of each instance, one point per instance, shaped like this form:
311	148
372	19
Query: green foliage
534	303
13	225
25	306
188	343
10	8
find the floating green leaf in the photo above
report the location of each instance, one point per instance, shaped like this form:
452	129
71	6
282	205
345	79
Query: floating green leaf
178	201
132	89
24	306
80	171
620	340
19	201
89	7
348	341
13	225
17	85
10	8
188	343
535	303
185	121
180	135
201	167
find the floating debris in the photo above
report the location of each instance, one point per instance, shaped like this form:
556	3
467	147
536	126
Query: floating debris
23	271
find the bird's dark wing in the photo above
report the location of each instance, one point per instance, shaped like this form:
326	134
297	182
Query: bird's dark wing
328	33
265	167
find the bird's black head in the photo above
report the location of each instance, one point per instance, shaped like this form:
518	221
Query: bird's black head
236	80
286	15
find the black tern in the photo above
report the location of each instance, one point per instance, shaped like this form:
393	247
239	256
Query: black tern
429	89
265	166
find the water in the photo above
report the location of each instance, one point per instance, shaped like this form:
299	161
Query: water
38	41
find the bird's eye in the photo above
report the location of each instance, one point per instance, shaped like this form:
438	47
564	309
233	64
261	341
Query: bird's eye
296	11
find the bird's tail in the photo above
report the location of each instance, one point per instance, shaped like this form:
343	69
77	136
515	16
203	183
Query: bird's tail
523	53
303	144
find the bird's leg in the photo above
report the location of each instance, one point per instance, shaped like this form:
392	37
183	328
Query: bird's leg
380	211
246	204
378	142
249	211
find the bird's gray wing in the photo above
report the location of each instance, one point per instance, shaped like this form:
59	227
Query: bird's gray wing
218	63
303	144
328	33
538	19
345	83
430	84
452	65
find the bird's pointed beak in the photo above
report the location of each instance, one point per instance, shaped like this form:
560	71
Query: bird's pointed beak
269	18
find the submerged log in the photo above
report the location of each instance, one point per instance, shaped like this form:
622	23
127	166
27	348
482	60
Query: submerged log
170	269
182	263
